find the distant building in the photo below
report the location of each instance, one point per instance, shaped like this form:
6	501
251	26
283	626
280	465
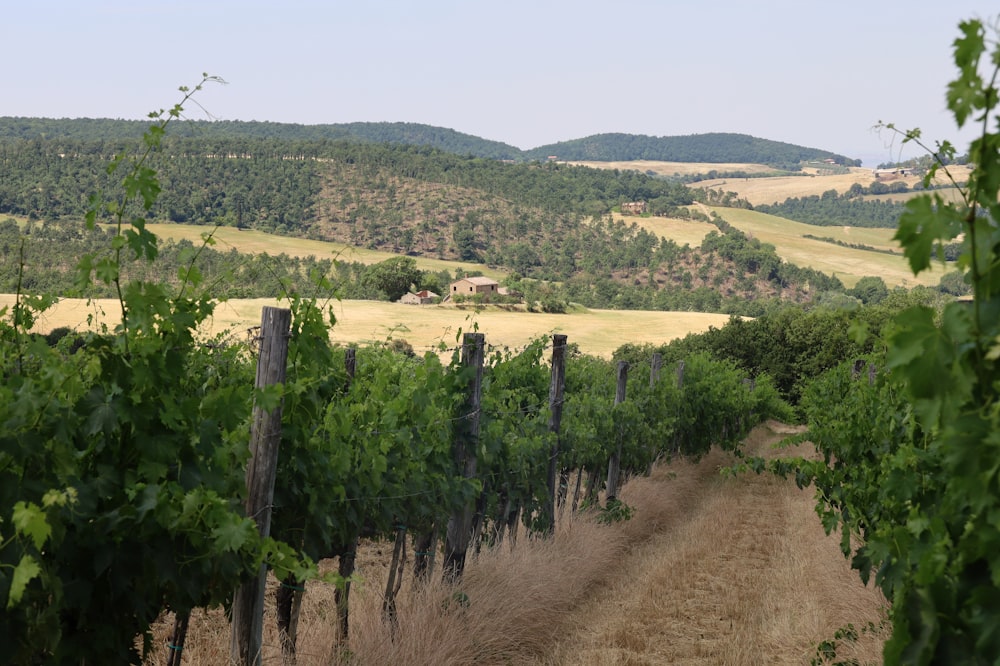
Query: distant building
633	208
471	286
424	297
895	171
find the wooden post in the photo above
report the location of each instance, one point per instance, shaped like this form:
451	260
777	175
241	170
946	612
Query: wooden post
680	387
556	390
265	438
614	466
655	364
348	552
459	531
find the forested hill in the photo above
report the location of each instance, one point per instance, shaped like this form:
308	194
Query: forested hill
102	129
714	148
546	221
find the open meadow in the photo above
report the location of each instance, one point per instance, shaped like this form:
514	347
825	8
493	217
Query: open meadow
255	242
425	327
847	264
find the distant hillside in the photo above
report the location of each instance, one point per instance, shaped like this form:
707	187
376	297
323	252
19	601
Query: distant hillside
103	129
714	148
544	221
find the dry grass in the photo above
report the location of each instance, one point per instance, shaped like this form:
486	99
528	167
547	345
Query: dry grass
682	232
709	571
256	242
846	263
775	190
677	168
597	332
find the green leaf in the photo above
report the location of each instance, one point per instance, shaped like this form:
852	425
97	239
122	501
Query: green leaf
231	536
965	94
925	221
24	572
30	520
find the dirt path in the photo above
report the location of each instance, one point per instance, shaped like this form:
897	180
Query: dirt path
748	577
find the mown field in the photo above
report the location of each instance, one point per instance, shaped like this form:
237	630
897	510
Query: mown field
597	332
846	263
258	241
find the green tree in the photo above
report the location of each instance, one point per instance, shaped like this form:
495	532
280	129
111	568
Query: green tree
870	290
393	277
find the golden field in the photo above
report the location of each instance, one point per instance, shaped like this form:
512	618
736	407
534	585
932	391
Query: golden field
425	327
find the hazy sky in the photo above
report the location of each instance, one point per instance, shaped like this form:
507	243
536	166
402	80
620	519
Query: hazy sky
528	73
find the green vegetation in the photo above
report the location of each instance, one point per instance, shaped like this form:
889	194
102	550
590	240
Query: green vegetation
908	434
123	452
715	147
832	209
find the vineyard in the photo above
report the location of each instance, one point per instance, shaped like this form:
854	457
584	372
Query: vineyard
126	457
147	470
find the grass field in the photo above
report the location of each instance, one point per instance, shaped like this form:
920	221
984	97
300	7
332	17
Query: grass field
846	263
597	332
257	242
677	168
682	232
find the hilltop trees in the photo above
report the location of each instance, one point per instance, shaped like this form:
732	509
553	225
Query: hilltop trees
393	277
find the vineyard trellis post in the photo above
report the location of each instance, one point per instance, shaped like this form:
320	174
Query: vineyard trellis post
265	438
655	365
347	554
614	465
459	532
556	390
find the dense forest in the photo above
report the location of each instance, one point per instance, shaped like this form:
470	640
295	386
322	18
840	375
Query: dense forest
714	147
833	209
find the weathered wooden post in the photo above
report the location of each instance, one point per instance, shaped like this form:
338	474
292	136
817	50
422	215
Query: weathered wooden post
459	531
557	387
265	438
680	388
348	553
655	364
614	466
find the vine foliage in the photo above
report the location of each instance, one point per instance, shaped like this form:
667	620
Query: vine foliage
911	459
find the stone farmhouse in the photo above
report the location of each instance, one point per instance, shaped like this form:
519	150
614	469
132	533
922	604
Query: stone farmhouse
633	207
424	297
471	286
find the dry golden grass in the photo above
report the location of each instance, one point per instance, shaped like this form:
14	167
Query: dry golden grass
846	263
256	242
747	576
710	570
775	190
677	168
597	332
682	232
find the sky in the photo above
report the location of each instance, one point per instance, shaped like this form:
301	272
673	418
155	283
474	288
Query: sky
525	72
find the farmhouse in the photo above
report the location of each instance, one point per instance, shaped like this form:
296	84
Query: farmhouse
895	171
424	297
471	286
633	207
